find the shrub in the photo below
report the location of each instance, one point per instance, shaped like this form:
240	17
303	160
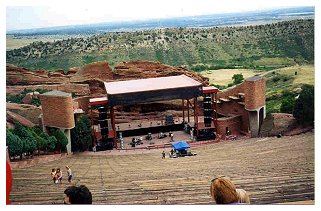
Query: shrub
30	144
35	102
51	143
62	140
287	105
221	87
199	68
238	78
39	140
14	143
304	106
81	135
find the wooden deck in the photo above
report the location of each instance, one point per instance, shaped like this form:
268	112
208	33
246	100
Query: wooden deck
271	170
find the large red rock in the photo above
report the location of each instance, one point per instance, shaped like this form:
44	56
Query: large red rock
79	89
147	69
22	76
15	118
96	70
29	112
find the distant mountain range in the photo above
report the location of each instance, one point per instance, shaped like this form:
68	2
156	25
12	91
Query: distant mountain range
246	18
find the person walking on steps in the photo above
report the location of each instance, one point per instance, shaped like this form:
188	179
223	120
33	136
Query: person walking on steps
163	154
69	174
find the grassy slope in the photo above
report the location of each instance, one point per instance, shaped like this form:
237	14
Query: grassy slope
263	46
15	43
224	76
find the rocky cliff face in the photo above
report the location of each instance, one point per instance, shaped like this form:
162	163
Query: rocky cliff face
29	112
96	70
21	76
146	69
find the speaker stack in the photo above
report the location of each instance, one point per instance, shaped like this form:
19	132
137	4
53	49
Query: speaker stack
169	120
207	105
103	122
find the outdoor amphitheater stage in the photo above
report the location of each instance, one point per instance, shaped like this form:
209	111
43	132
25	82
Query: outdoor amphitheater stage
133	92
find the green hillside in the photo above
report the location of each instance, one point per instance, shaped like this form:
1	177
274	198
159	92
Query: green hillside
262	47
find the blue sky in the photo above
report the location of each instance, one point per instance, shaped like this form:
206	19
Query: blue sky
36	14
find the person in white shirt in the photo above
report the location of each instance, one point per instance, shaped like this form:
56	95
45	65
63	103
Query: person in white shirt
69	174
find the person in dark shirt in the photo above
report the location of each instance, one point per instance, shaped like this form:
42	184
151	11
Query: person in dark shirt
77	195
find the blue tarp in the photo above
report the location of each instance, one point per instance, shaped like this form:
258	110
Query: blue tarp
181	145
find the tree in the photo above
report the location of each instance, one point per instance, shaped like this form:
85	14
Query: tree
81	135
39	140
62	140
14	143
304	106
287	105
51	143
238	78
30	144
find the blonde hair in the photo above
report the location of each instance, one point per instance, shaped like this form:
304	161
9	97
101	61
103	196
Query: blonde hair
223	191
242	196
67	167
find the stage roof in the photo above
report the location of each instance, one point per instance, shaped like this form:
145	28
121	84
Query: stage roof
152	89
150	84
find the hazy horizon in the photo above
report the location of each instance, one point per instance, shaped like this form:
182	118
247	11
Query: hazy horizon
48	16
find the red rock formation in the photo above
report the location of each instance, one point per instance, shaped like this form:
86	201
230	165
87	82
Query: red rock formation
96	70
79	89
14	118
146	69
21	76
29	112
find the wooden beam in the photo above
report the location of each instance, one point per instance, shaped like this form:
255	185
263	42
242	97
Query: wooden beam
183	105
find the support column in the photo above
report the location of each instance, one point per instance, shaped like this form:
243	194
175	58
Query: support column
256	118
254	123
196	115
215	121
92	127
183	105
188	120
67	134
112	116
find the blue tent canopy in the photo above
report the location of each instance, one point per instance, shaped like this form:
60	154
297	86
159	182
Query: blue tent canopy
180	145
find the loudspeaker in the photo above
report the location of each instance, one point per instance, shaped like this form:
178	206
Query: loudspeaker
207	104
103	123
207	121
103	120
169	120
104	131
102	115
208	112
102	109
207	98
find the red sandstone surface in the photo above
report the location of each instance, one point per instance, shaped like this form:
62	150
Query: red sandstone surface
147	69
15	118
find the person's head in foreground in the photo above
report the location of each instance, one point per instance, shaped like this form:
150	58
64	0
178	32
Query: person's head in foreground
78	195
242	196
223	191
